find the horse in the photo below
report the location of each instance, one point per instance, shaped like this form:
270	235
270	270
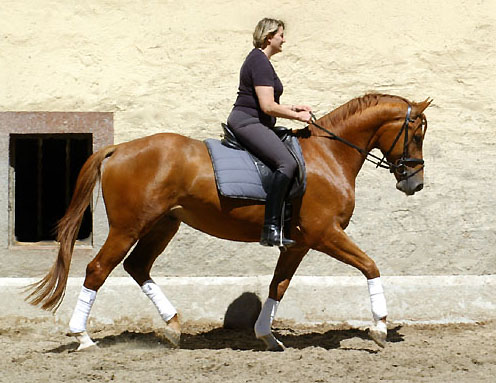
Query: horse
153	184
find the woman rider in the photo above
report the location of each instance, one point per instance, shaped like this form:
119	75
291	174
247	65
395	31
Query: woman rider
254	115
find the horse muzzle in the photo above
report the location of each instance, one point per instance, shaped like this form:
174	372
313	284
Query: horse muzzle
412	183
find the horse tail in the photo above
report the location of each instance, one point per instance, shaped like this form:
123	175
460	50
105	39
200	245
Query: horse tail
50	291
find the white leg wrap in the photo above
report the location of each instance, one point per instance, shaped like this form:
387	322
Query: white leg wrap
377	299
264	322
164	307
81	313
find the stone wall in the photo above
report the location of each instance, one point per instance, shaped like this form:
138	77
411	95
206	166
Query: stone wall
172	66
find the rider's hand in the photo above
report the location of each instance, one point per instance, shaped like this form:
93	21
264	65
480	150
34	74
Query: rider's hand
304	116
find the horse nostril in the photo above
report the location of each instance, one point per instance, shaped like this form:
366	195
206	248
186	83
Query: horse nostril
419	187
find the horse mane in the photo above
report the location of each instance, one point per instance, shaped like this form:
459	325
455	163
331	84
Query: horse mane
357	106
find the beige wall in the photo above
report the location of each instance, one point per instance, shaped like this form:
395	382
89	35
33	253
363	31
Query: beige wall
173	66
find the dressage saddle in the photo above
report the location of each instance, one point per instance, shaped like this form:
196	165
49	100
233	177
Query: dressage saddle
299	183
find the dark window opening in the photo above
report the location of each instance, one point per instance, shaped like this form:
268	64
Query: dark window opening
46	167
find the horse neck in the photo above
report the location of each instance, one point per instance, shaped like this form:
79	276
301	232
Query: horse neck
359	129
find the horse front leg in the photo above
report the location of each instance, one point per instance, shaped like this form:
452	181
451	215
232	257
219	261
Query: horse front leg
288	262
338	245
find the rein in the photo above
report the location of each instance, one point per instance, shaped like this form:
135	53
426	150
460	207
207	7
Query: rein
400	167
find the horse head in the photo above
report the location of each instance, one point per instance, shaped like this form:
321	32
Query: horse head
401	139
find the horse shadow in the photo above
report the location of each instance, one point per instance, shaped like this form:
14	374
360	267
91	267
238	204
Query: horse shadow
239	340
237	333
127	339
244	340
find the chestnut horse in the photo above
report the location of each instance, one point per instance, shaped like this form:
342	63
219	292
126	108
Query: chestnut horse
152	184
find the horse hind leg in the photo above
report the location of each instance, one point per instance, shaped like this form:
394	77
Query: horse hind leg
110	255
139	263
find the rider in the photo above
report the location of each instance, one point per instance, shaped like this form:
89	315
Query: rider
254	115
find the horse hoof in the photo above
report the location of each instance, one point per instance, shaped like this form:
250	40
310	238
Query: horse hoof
89	347
84	340
271	343
170	336
378	333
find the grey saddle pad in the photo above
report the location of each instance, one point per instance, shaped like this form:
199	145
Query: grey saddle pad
240	175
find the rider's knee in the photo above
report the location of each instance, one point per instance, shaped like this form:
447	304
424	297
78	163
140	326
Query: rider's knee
288	168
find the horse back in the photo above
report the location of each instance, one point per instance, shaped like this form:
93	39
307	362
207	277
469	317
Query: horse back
151	155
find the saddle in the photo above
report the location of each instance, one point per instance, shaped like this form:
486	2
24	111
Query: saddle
239	174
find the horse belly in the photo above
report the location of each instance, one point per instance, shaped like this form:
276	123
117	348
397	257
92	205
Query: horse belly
236	223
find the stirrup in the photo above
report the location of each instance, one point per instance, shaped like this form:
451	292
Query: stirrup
284	244
272	235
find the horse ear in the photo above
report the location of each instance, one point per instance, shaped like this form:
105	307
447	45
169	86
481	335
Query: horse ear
421	106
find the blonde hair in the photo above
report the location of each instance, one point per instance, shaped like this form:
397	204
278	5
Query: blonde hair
265	28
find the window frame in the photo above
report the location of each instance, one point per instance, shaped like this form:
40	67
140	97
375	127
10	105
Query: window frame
98	124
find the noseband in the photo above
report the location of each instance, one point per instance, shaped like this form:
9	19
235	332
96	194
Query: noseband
401	166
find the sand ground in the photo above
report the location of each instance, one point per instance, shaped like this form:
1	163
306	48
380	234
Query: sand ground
38	351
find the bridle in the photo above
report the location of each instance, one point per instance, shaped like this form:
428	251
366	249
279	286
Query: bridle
400	167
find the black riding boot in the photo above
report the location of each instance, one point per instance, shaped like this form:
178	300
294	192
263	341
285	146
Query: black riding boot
272	234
